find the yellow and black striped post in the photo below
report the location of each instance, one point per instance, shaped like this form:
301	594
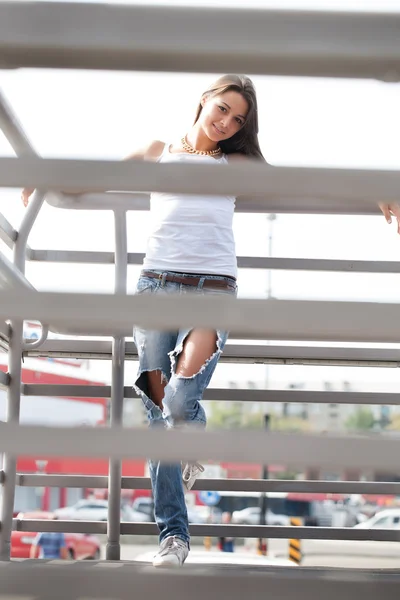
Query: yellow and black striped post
295	544
207	543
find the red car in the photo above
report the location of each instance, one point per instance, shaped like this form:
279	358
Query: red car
80	545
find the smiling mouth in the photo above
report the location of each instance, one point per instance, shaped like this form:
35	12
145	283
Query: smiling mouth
218	130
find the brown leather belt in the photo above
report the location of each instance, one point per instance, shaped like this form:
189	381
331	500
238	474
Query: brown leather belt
208	283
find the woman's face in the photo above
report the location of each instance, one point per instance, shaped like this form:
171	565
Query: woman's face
223	116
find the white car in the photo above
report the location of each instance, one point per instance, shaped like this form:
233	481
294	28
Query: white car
251	516
97	510
384	519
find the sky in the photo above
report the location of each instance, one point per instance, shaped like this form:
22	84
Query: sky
303	122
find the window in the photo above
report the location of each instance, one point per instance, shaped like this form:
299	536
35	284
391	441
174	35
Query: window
383	523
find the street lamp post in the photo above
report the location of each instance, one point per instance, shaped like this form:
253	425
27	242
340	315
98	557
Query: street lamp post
262	543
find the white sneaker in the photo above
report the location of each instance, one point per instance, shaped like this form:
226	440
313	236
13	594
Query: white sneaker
173	553
190	472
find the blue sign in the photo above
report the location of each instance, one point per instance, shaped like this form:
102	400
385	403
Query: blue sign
209	498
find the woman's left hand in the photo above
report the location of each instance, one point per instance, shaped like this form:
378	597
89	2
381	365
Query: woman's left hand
389	210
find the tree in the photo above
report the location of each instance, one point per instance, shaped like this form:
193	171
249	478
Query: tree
232	416
362	419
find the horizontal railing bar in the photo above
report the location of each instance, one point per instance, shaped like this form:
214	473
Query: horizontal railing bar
220	485
85	257
237	353
45	578
244	178
4	379
267	319
150	38
244	262
248	531
223	394
7	232
328	451
276	204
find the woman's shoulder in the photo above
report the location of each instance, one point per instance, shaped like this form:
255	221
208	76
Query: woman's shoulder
150	151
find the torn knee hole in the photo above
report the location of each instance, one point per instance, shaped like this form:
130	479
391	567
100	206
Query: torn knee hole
190	366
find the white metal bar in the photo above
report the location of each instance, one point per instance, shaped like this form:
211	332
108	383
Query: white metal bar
113	548
7	232
12	128
135	201
244	262
13	403
172	39
369	452
221	485
224	394
43	579
11	277
269	319
22	579
363	188
250	531
237	353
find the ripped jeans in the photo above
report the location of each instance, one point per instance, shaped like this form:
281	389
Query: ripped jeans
159	351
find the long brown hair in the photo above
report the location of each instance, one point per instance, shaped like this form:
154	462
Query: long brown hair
245	141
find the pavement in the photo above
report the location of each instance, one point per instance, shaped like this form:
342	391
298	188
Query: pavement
316	553
92	580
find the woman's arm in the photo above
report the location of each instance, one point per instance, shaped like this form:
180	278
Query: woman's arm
151	151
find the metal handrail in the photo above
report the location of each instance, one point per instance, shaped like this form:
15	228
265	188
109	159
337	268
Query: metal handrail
255	319
326	451
150	38
248	531
236	353
220	485
225	394
302	189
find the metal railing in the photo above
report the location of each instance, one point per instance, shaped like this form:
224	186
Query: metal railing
317	44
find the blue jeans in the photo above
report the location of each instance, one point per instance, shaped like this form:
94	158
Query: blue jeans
159	351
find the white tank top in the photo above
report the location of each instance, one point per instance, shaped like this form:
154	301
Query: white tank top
191	233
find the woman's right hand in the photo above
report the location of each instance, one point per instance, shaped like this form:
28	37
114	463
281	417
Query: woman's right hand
25	195
389	210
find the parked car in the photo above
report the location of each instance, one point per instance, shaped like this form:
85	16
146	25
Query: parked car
80	546
384	519
144	505
94	510
251	516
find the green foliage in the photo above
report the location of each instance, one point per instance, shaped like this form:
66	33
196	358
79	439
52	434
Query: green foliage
232	416
362	419
236	416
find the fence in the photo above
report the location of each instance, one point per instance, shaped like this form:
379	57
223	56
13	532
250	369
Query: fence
150	38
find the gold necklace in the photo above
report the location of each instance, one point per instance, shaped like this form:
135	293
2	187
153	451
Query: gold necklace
192	150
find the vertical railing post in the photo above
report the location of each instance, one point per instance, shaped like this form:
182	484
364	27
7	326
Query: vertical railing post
14	388
113	548
12	416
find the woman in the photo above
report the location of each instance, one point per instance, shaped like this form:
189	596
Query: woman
190	250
